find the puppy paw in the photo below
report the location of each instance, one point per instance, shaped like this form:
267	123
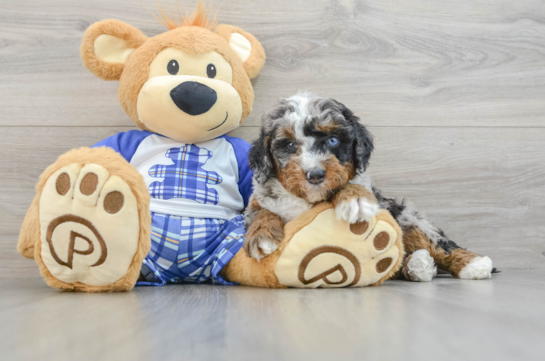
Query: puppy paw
421	267
263	236
478	269
356	210
260	246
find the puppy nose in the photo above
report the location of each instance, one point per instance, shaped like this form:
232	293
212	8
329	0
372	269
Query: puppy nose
194	98
316	176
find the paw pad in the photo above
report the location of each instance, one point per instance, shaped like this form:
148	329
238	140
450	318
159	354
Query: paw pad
88	184
359	227
63	184
381	241
383	264
328	252
113	202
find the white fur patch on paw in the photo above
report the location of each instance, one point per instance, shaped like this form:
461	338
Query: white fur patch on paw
421	266
267	246
357	210
478	269
263	247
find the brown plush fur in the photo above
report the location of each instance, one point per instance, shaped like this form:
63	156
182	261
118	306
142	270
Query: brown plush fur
257	57
102	69
30	228
30	240
453	262
198	18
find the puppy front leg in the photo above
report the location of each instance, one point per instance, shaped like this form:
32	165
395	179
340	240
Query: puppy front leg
265	230
354	203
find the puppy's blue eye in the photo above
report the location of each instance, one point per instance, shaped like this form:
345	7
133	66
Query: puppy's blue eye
333	141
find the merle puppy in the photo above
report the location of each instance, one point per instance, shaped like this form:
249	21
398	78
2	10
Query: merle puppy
313	149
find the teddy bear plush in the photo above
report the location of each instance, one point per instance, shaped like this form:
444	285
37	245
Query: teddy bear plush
163	204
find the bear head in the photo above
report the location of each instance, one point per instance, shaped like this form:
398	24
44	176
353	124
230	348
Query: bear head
191	83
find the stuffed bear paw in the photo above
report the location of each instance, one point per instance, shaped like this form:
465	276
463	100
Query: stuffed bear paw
90	226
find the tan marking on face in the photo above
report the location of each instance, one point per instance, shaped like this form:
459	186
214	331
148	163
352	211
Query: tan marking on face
336	174
327	127
286	132
293	179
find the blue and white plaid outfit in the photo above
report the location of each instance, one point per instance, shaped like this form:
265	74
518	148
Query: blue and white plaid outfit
197	195
185	178
185	249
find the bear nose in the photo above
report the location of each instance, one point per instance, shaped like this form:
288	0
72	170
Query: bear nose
316	176
194	98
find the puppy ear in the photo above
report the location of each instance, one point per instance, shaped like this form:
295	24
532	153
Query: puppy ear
106	46
246	46
363	143
260	157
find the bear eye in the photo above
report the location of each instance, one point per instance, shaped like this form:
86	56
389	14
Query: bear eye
173	67
333	141
211	71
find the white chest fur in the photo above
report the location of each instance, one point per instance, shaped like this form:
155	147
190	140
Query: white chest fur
274	197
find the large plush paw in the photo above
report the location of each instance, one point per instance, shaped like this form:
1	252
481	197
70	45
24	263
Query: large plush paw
358	209
479	268
327	252
421	267
89	225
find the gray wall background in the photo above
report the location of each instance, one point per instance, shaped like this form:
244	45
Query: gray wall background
454	92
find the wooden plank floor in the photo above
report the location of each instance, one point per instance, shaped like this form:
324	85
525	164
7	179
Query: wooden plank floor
447	319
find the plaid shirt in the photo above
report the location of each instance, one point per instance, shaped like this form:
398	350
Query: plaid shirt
185	178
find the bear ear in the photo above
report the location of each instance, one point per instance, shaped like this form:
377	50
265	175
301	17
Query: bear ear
246	46
106	46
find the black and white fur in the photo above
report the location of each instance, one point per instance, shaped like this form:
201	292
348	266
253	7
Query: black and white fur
299	115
